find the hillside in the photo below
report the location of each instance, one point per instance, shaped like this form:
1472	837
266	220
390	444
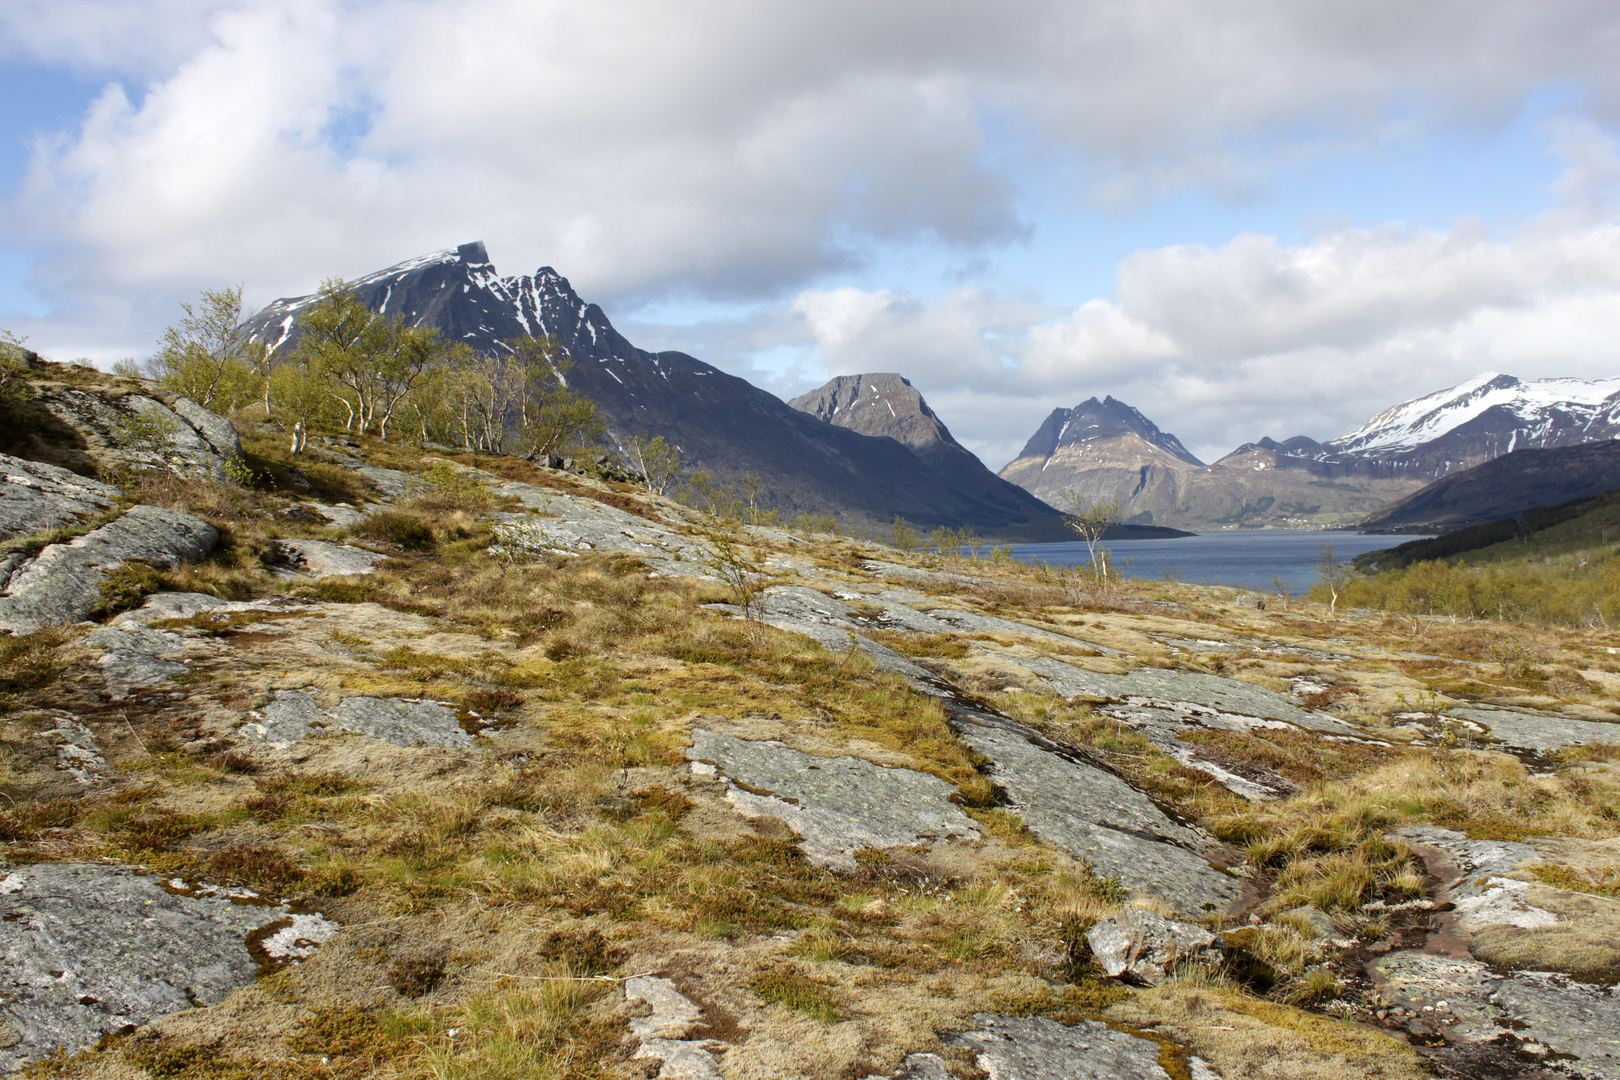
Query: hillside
1576	525
381	763
722	424
1505	487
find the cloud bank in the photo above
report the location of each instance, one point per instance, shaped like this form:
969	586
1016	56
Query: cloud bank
723	150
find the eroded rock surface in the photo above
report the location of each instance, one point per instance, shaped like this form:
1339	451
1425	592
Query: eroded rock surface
1094	815
90	950
322	559
1465	1001
160	607
838	804
1178	689
62	584
35	497
133	656
1537	730
155	430
1035	1048
298	714
662	1032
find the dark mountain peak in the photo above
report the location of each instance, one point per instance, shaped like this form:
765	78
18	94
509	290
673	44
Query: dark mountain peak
1091	420
883	404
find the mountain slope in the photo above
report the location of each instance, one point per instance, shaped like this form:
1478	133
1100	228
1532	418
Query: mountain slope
722	423
1102	450
1505	487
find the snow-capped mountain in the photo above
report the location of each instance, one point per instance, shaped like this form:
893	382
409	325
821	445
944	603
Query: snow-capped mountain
722	424
1484	418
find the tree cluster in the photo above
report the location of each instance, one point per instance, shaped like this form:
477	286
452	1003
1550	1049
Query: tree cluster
354	369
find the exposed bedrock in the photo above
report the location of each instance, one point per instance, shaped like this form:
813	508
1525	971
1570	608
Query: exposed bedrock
1094	815
62	584
86	951
293	715
838	804
35	497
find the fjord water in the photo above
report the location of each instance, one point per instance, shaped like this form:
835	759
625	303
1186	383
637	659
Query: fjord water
1249	558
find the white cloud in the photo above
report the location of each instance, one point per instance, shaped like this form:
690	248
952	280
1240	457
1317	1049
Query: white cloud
739	150
1222	345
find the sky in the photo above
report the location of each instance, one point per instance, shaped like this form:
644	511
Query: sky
1242	217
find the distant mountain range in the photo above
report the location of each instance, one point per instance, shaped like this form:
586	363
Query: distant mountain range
1107	450
722	424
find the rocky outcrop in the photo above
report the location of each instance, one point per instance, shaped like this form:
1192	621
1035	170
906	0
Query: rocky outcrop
320	559
1095	816
62	584
86	951
1146	948
35	497
112	427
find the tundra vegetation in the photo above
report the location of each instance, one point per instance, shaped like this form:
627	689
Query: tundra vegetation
496	897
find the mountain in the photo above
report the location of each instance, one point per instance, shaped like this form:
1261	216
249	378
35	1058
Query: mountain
1505	488
1116	453
722	424
1109	452
1097	448
885	405
1484	418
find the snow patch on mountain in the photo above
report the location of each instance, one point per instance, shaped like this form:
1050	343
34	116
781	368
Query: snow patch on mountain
1537	405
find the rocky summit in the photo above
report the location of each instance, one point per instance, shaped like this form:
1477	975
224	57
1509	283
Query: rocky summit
389	761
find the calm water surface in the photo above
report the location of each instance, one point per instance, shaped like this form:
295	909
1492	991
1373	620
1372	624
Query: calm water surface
1239	557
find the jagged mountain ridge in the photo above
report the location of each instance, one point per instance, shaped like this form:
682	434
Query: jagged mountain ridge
722	423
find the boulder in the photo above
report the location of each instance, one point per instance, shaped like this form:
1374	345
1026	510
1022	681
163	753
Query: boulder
153	430
1145	948
35	496
62	584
